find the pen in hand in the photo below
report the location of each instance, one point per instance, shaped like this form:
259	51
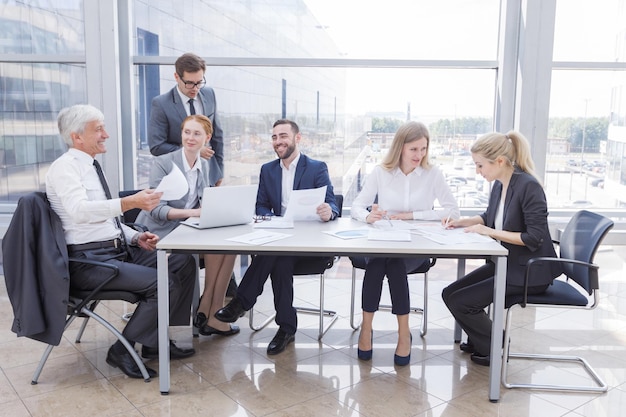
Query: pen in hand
447	222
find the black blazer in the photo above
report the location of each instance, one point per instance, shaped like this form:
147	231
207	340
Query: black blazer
525	211
36	270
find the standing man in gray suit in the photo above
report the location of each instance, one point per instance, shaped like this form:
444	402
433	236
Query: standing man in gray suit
189	96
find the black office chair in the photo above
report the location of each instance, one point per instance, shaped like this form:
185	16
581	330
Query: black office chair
129	217
578	245
80	303
359	263
310	266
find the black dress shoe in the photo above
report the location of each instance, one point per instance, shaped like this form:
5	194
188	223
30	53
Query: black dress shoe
232	312
175	352
127	364
280	342
208	330
467	347
480	359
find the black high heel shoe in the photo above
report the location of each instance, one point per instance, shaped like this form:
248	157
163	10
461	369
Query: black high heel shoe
200	320
366	355
403	360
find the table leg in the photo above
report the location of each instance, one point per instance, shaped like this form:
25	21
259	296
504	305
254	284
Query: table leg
495	368
460	273
163	322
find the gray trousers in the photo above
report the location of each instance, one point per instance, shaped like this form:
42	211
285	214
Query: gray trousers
138	274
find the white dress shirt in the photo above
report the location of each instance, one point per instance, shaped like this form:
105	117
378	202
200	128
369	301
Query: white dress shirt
289	176
399	193
192	174
76	195
197	103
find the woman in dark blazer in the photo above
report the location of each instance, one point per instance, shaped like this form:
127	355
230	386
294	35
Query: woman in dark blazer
517	216
196	133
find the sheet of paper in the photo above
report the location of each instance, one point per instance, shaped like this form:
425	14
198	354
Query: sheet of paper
303	204
191	221
389	234
451	236
395	224
349	233
174	185
276	222
259	237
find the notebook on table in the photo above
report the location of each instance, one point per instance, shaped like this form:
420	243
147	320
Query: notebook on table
228	205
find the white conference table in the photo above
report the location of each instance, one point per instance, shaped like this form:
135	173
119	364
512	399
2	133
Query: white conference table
307	239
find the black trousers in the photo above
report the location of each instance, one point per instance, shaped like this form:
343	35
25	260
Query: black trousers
467	299
280	269
396	271
138	274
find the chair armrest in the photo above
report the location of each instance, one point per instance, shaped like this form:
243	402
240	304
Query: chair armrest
114	273
547	259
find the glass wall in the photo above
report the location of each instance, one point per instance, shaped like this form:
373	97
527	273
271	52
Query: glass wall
349	72
32	93
587	112
347	115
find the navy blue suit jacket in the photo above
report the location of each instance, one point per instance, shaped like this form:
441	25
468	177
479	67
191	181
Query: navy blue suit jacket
525	211
166	118
310	173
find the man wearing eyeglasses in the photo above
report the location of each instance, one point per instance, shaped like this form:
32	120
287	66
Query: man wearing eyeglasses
189	96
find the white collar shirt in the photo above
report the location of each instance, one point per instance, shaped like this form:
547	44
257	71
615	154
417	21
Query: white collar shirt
77	196
197	103
415	192
288	178
192	173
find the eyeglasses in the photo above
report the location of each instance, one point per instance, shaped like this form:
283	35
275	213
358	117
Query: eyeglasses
259	219
189	85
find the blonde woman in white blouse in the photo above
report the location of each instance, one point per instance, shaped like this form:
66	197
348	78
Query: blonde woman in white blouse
403	187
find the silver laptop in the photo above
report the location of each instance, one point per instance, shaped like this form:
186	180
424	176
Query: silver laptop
225	206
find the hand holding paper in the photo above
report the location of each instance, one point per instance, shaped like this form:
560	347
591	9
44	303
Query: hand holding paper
303	204
174	185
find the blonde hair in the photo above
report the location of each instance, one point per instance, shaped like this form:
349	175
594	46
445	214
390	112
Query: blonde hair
512	146
407	133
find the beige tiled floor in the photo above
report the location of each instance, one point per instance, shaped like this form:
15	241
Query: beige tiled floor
233	376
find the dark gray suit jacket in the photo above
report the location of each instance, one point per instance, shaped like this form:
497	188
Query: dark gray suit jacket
166	117
36	270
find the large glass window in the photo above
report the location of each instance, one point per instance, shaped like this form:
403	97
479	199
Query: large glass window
586	134
31	94
589	30
397	29
348	113
456	105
